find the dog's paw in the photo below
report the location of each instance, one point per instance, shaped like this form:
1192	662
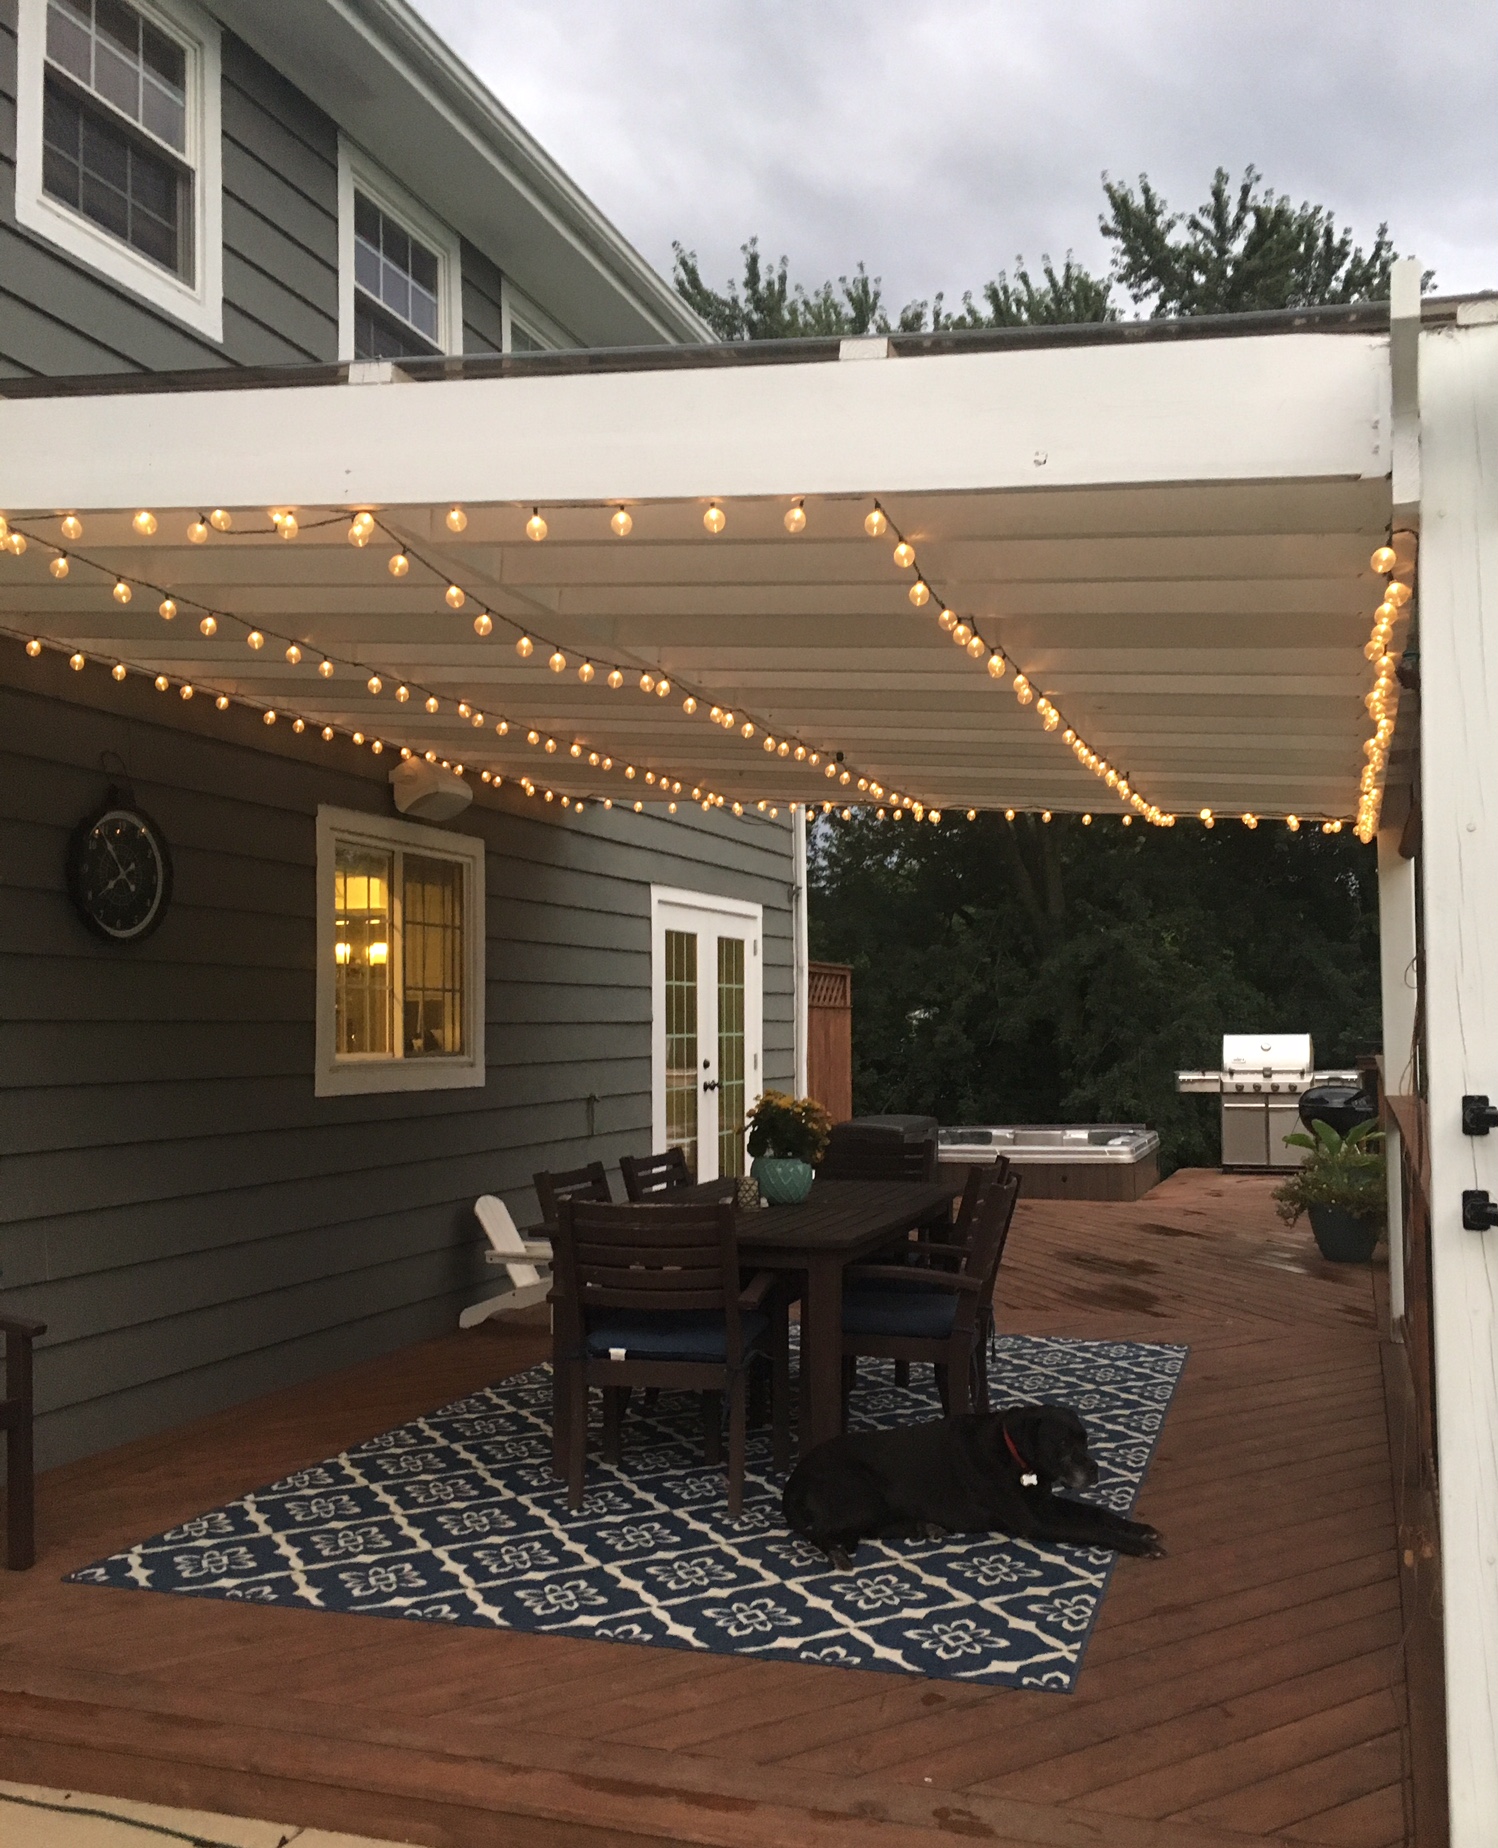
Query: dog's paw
930	1531
839	1559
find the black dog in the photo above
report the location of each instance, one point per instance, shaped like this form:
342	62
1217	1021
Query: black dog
986	1472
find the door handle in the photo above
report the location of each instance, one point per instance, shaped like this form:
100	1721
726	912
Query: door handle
709	1084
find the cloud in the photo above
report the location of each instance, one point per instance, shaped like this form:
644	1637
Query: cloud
937	142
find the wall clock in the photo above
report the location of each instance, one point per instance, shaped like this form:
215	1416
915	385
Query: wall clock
119	871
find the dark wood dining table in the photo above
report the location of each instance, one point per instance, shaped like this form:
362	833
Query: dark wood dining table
839	1223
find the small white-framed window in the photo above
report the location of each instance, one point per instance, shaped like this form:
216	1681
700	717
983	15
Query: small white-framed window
527	328
400	270
400	956
118	145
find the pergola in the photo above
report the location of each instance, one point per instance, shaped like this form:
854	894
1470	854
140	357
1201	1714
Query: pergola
1166	531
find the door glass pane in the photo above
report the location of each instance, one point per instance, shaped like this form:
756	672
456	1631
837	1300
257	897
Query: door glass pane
432	927
731	1098
681	1043
361	949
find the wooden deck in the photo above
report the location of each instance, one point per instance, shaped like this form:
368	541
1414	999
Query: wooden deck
1248	1687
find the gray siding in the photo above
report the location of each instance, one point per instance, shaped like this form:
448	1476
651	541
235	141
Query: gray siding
280	159
192	1223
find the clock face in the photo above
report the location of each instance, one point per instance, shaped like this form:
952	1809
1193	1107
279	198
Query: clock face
120	874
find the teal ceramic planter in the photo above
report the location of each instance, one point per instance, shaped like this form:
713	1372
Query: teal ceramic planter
1342	1237
782	1181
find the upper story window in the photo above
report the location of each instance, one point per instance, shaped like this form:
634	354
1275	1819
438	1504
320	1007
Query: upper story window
400	272
401	955
118	145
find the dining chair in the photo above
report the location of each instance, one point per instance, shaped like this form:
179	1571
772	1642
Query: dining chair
980	1177
16	1410
648	1176
649	1294
590	1183
937	1307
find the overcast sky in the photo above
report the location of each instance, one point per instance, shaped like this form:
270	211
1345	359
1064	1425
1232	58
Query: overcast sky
935	139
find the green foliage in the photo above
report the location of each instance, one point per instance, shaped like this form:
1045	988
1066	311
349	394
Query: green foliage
1070	294
792	1128
1028	972
1342	1171
766	307
1239	251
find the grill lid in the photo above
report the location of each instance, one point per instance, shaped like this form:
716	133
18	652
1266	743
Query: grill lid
1264	1053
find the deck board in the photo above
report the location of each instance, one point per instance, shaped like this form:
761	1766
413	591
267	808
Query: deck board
1249	1687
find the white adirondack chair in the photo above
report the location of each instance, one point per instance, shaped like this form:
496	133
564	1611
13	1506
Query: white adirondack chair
528	1262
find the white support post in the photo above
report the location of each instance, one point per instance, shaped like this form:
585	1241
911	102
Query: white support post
1396	948
799	951
1458	578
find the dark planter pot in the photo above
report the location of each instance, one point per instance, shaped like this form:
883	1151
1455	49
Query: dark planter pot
1342	1237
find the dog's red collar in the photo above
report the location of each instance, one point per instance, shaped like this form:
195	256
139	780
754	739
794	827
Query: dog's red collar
1027	1476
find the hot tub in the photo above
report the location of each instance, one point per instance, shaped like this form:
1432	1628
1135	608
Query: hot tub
1101	1161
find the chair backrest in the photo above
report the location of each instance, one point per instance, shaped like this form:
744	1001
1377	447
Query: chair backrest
504	1238
648	1175
980	1177
650	1257
987	1236
590	1183
866	1152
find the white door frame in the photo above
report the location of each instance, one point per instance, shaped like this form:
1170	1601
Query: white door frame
698	906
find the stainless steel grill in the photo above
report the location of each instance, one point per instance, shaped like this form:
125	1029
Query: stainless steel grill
1261	1082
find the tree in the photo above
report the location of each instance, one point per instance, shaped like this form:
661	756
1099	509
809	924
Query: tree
1237	252
768	308
1070	294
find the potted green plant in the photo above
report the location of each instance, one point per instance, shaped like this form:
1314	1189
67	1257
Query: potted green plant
786	1138
1341	1187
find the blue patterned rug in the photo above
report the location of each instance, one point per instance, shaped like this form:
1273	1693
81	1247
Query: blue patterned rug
456	1518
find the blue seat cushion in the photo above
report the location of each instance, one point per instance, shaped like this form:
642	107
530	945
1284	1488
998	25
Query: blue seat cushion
888	1309
670	1334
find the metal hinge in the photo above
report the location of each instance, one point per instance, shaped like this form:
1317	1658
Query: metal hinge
1479	1214
1478	1116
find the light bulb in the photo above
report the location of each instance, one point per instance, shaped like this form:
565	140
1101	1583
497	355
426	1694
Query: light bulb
167	610
795	518
16	544
268	717
616	678
689	705
1397	592
59	566
185	689
377	747
293	654
919	593
162	683
121	591
647	683
76	662
948	620
431	702
118	670
996	666
533	737
286	526
483	623
535	526
557	661
502	727
197	532
455	597
875	524
221	519
976	647
402	694
1250	821
360	529
144	523
663	688
327	734
456	519
1292	822
622	524
374	683
33	648
325	668
525	648
1384	560
72	527
585	672
714	519
961	634
399	564
783	749
904	555
299	726
222	702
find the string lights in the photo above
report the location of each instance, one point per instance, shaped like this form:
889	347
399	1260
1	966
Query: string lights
1382	700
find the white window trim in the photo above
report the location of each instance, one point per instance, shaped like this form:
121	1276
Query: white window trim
199	302
741	911
335	1077
357	171
518	310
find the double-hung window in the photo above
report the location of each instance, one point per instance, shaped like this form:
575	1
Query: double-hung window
400	282
118	155
400	955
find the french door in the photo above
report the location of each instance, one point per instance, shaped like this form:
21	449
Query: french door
708	1026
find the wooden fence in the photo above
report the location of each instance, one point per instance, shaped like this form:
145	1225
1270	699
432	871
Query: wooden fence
829	1037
